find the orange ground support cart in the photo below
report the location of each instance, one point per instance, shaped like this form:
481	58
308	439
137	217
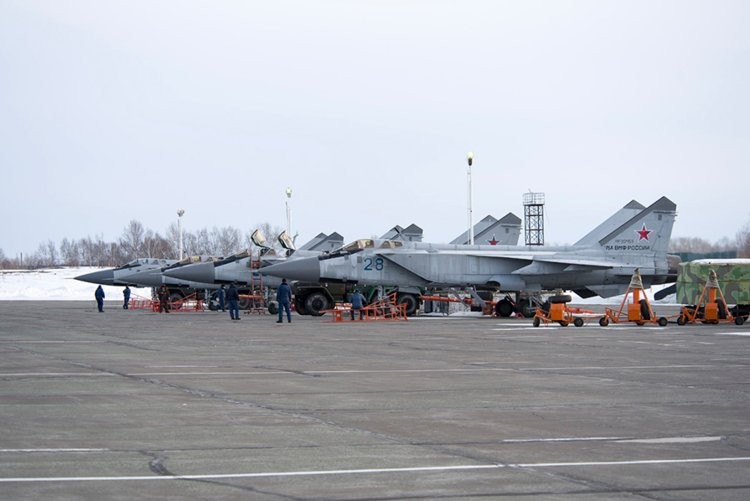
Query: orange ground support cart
558	311
639	310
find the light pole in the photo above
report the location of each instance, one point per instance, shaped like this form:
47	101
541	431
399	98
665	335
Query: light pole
288	192
470	160
180	212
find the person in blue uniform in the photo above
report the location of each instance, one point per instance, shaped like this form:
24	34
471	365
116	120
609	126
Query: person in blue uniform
125	297
233	298
221	296
284	298
358	302
99	295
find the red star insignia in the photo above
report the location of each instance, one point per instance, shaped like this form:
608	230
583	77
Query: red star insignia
643	233
493	241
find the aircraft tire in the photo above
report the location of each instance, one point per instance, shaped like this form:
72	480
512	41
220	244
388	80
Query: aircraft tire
411	302
578	322
315	303
273	307
560	298
299	305
722	309
663	322
175	298
244	303
645	314
504	308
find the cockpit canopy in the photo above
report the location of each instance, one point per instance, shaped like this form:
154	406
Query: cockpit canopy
362	244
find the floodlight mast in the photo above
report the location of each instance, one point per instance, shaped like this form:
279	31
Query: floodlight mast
180	213
288	192
470	161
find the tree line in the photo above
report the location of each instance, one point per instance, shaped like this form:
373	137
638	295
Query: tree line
137	241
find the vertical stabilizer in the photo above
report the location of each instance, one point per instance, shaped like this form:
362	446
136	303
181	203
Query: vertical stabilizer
633	208
645	234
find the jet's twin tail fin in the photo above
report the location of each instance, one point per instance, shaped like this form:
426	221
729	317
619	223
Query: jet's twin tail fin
633	208
646	233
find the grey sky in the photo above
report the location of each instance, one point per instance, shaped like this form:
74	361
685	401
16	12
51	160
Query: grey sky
120	110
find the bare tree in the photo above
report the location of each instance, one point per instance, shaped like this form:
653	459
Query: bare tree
173	237
200	243
131	241
70	253
743	241
226	241
156	246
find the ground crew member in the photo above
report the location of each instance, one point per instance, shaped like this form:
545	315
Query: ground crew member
221	295
163	299
284	298
233	297
99	295
126	297
358	302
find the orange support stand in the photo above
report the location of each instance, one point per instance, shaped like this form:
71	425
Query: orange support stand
639	310
385	309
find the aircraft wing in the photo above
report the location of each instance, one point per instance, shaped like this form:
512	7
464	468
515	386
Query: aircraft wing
542	257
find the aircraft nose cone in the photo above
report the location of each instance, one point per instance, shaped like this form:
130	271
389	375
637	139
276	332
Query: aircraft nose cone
198	272
304	269
103	277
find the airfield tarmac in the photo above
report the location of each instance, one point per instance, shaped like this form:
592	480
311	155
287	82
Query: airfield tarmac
133	404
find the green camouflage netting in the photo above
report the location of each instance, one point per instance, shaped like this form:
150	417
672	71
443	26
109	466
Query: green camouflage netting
733	276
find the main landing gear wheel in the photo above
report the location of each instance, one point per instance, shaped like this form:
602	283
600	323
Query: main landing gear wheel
315	303
504	308
411	303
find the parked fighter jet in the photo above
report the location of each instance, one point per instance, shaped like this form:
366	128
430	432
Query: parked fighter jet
601	263
121	275
155	277
238	267
148	272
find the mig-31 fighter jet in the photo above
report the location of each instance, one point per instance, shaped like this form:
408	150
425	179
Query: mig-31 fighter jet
601	263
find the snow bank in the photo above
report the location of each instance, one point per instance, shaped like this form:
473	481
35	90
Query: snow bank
56	284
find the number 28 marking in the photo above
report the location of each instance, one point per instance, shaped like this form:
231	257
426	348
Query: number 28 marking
373	264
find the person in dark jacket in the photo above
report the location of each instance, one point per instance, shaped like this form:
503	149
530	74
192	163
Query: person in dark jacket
233	298
221	296
358	302
163	294
125	297
284	298
99	295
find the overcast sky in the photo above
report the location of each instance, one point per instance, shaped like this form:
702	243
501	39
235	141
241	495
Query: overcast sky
120	110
